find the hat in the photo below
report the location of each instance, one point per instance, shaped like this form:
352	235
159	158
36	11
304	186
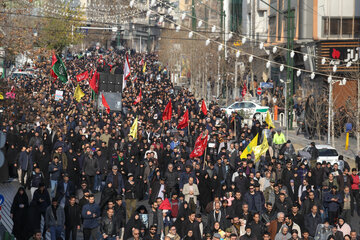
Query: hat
66	175
118	197
217	235
288	141
115	167
291	180
130	175
165	205
228	230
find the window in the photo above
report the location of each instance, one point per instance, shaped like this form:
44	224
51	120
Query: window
249	105
346	29
347	26
235	105
334	26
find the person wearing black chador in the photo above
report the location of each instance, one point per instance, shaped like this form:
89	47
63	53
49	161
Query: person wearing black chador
18	213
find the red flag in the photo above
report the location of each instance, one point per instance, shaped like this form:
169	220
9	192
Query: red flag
105	104
53	61
243	92
141	62
167	112
200	146
91	73
204	108
184	121
138	98
82	76
94	82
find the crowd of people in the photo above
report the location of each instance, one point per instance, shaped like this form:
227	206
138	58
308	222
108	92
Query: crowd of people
81	171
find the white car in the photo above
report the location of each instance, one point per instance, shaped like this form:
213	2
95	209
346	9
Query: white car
249	108
326	153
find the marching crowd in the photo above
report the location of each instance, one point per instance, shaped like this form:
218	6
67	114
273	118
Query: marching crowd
81	171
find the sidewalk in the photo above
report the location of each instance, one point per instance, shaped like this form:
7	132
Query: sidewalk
299	142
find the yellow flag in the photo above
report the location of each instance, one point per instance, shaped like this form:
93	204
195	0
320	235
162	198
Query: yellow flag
134	129
268	120
1	96
144	69
159	68
261	149
78	94
347	141
249	147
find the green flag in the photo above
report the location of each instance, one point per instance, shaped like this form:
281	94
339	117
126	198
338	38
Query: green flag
60	69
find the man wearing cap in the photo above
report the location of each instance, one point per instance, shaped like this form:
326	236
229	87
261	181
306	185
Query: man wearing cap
130	195
116	179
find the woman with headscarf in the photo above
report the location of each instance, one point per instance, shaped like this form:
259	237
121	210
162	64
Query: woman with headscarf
108	194
134	222
205	190
18	213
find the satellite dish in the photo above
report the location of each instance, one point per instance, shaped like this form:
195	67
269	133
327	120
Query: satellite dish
2	139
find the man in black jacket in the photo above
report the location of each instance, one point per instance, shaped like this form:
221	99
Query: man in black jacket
191	224
312	220
130	195
120	215
72	218
108	228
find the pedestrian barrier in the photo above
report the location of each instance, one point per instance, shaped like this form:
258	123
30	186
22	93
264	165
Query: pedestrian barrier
282	119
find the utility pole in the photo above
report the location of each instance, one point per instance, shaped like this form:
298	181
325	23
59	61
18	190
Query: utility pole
290	63
330	112
193	15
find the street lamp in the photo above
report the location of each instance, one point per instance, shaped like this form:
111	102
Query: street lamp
286	107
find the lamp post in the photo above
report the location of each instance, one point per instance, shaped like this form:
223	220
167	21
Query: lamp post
286	107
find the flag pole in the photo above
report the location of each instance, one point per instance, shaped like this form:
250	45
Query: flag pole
205	162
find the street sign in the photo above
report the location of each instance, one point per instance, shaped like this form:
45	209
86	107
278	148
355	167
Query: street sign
259	91
1	199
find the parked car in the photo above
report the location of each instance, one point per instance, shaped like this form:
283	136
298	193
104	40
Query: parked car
326	153
250	109
16	75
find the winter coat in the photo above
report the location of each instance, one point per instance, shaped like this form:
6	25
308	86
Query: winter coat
41	199
55	174
186	192
110	178
90	166
171	179
25	161
255	202
160	222
311	223
60	191
334	206
108	226
90	220
72	215
51	221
